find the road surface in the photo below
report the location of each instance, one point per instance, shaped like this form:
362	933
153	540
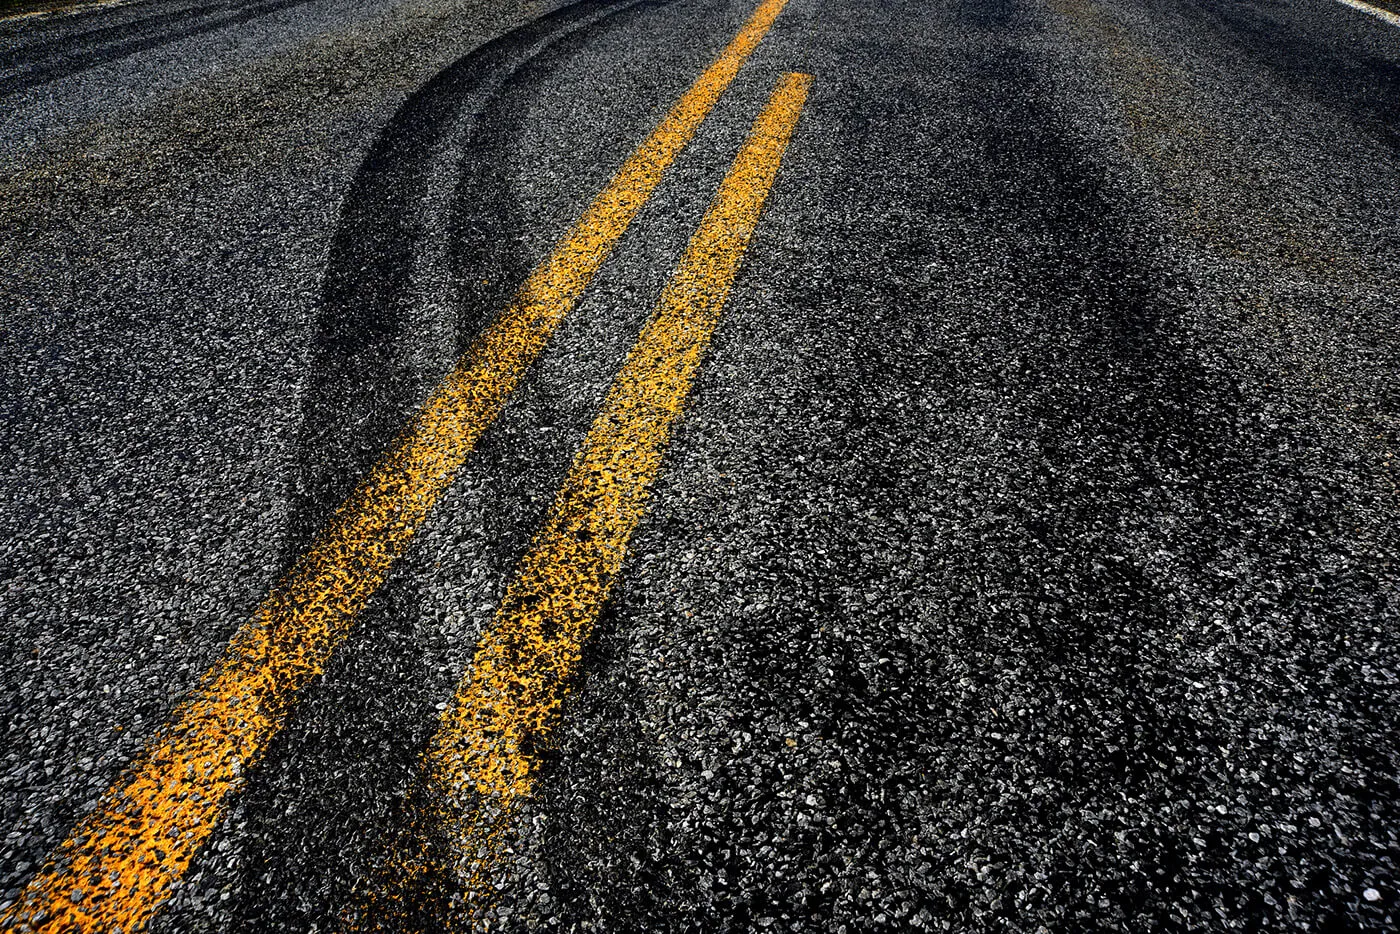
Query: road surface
700	465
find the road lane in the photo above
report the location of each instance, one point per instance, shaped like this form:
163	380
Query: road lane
1097	456
856	668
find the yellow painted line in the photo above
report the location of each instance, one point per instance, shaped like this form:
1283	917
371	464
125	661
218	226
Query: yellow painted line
1380	14
483	758
119	864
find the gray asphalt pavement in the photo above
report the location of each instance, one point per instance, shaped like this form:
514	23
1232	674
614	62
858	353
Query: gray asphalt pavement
1025	559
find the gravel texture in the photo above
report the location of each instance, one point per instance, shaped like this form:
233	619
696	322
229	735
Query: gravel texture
1026	560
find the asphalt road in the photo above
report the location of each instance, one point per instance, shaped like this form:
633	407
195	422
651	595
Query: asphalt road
1001	536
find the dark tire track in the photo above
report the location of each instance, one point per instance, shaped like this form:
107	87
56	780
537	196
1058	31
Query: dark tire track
360	391
486	264
1159	423
329	795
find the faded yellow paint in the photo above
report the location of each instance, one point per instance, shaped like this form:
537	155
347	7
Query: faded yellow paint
482	760
119	864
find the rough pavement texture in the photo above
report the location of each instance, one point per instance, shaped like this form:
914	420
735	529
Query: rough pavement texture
1027	556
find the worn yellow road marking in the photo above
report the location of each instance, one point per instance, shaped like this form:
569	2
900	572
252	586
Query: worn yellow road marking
482	759
118	865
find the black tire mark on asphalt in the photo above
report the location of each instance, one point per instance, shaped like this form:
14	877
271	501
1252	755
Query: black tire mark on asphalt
1095	359
82	60
329	795
360	392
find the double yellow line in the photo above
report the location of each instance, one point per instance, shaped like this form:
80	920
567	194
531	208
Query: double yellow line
119	864
481	760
